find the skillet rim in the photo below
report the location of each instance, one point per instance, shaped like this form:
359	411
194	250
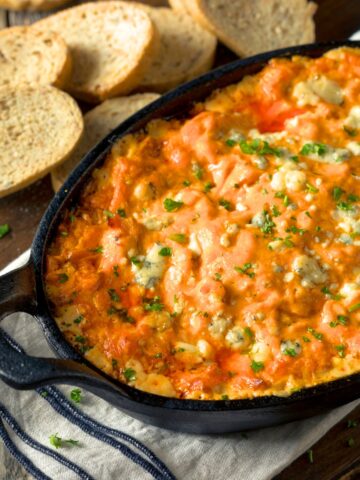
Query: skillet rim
78	178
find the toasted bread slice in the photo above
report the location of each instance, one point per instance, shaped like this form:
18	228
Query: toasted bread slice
186	50
179	6
32	4
97	124
248	28
39	128
31	57
110	44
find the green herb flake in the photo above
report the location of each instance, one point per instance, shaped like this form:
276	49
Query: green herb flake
291	352
63	277
98	249
114	363
208	186
78	319
178	237
116	270
121	212
76	395
198	171
341	350
249	332
225	204
135	261
109	214
344	206
217	276
113	295
295	229
224	397
130	374
165	252
314	149
171	205
352	424
352	132
230	143
319	336
186	183
354	307
158	355
308	214
58	442
245	269
4	230
275	211
353	198
306	339
257	366
152	304
268	225
44	394
351	442
337	192
310	455
311	189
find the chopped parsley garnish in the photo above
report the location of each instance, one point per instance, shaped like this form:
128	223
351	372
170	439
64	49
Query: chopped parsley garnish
230	143
285	198
314	149
333	296
295	229
337	193
78	319
64	233
310	455
171	205
130	374
72	218
257	366
158	355
352	132
249	332
294	158
121	212
341	350
113	295
98	249
135	261
4	230
308	214
311	189
58	442
344	206
165	252
109	214
76	395
290	351
351	442
354	307
208	186
315	334
152	304
340	320
245	269
275	211
352	424
259	147
80	339
178	237
267	225
114	363
63	277
116	270
217	276
306	339
226	204
186	183
224	397
198	171
353	198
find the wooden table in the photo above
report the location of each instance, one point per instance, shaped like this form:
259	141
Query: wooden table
333	458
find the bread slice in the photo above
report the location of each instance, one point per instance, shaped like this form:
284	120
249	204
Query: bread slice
179	6
39	128
110	44
186	50
31	57
250	27
98	123
32	4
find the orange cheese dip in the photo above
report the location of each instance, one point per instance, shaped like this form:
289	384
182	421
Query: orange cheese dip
217	256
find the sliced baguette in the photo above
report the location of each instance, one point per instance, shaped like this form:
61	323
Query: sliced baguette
97	124
110	44
39	128
248	28
179	6
31	57
32	4
186	50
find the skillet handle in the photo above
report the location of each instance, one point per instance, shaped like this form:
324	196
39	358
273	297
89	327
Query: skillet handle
24	372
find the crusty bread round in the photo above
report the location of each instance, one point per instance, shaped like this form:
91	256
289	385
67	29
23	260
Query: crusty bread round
250	27
97	124
186	50
32	4
31	57
110	44
39	128
179	6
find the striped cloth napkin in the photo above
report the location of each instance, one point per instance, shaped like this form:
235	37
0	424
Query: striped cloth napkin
106	444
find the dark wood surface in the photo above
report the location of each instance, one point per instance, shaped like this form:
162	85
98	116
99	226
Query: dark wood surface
337	455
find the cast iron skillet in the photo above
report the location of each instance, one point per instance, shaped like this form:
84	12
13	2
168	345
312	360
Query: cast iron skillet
23	290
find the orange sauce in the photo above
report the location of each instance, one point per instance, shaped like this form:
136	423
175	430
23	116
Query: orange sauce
218	256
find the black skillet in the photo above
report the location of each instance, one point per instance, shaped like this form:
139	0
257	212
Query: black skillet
23	290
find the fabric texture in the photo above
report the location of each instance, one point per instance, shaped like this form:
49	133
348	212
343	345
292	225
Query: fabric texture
100	453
